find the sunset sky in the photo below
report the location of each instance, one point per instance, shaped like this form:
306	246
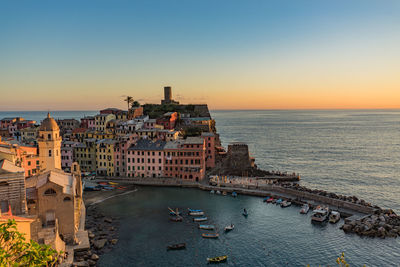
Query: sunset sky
86	55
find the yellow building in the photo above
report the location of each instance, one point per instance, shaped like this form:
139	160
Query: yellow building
105	157
101	121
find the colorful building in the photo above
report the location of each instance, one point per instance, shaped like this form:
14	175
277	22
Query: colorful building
101	121
105	157
210	149
168	120
145	158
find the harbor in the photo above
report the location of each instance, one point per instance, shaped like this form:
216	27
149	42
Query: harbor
254	240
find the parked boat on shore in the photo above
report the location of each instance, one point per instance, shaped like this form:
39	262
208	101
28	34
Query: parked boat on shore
320	214
210	235
334	217
304	209
176	246
206	226
201	219
217	259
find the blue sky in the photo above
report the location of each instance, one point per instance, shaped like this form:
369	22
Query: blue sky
285	52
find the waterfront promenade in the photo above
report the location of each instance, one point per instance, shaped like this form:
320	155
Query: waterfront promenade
298	197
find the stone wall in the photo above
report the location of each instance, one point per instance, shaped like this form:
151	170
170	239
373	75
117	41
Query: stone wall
12	192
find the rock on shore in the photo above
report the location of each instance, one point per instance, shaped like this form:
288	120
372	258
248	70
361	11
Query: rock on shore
102	232
383	223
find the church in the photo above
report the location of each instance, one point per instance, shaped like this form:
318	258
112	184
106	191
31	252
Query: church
53	196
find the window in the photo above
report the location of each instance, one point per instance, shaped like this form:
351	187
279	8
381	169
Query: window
50	192
49	136
50	153
67	199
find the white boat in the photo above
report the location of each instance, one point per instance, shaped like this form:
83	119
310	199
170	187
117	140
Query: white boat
224	193
196	213
229	227
334	217
212	191
201	219
218	192
285	204
304	209
206	227
320	214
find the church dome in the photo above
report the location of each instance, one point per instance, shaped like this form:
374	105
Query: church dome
49	124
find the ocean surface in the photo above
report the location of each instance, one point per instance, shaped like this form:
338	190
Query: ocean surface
352	152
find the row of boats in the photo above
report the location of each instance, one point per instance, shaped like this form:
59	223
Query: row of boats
198	216
224	193
320	213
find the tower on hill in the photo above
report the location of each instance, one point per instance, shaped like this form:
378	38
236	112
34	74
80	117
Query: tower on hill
168	96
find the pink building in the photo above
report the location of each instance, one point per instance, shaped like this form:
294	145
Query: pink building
88	122
121	152
150	124
209	138
185	159
67	155
146	159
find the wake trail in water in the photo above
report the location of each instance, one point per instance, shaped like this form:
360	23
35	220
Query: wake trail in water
104	199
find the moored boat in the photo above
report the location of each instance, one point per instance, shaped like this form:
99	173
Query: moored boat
176	246
218	192
270	200
212	191
206	226
245	214
229	227
304	209
279	201
285	204
210	235
334	217
176	219
191	210
234	194
200	219
224	193
174	212
217	259
196	213
320	214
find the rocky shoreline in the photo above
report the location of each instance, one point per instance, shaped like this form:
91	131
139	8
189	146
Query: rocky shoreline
383	223
103	236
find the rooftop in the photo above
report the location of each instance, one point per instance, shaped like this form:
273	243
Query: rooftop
145	144
194	140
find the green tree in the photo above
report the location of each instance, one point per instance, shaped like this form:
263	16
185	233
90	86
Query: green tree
129	101
16	251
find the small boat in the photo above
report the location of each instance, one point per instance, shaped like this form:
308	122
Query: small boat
334	217
285	204
279	201
176	246
103	183
224	193
112	183
270	200
108	188
234	194
212	191
201	219
174	212
210	235
218	192
190	210
320	214
176	219
217	259
196	213
206	226
245	214
304	209
229	227
265	199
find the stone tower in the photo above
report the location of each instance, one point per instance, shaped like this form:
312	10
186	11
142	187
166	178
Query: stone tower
49	144
167	94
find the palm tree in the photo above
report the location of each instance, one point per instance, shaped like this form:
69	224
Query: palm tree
128	100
